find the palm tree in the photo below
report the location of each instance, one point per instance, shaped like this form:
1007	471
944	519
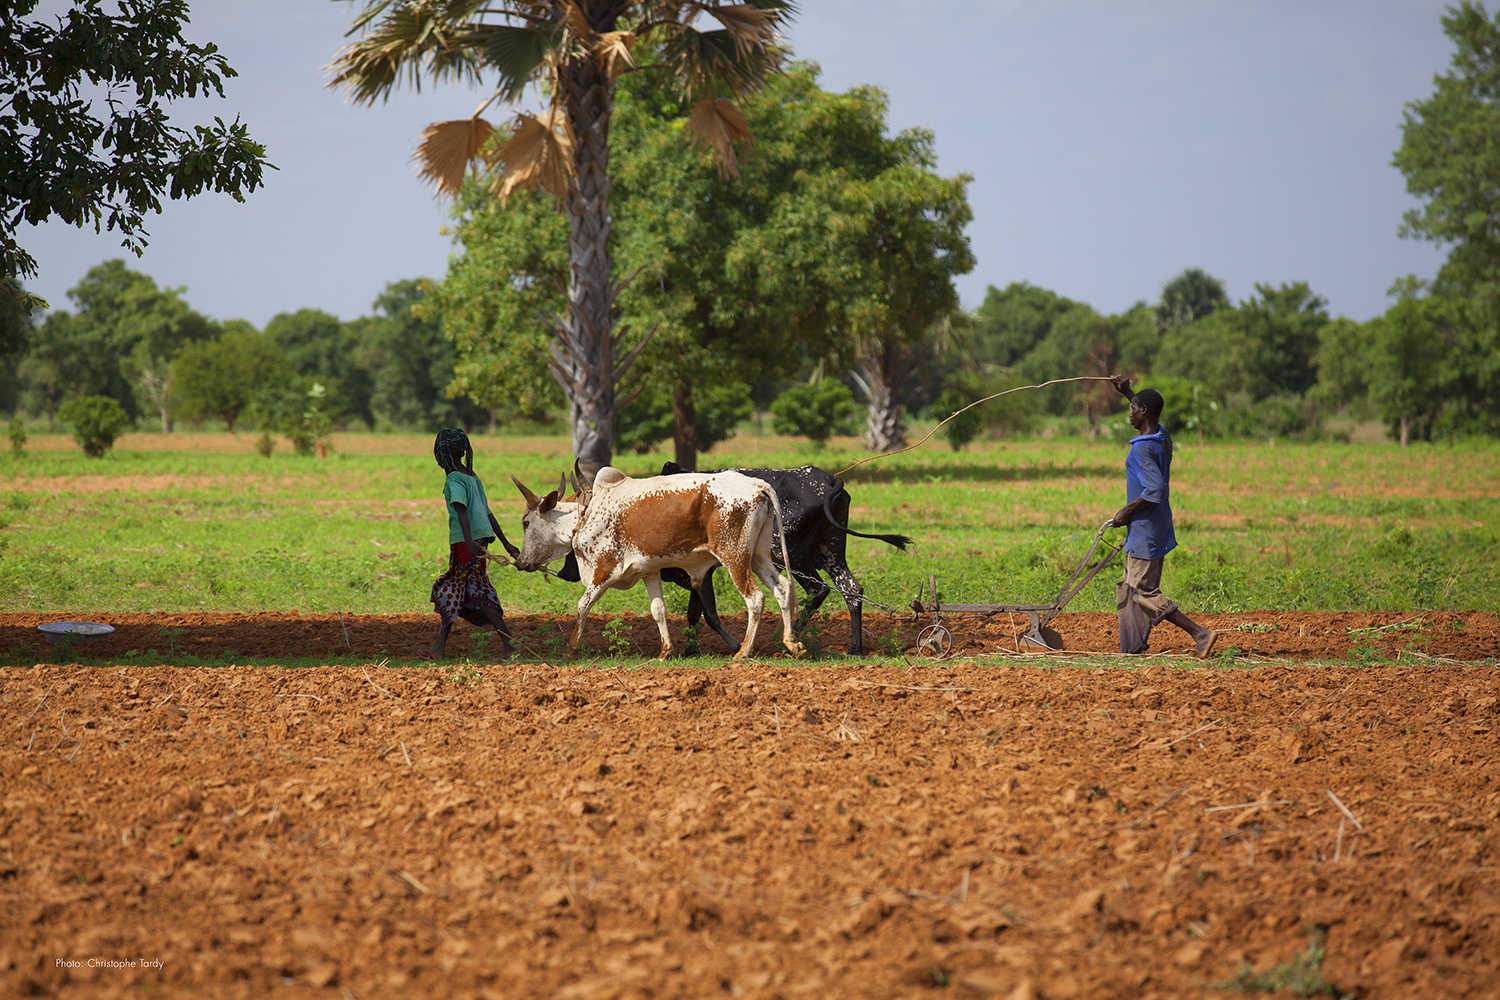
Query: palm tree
1190	296
574	50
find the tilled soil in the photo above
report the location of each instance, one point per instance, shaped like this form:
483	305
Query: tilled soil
1293	635
769	829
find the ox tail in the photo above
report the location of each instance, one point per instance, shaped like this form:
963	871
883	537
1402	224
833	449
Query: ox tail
900	541
786	559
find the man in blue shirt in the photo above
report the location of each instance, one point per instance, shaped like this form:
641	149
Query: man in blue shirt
1148	516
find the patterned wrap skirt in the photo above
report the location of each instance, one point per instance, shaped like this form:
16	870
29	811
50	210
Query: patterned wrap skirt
465	590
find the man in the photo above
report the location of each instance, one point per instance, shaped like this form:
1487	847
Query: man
1148	516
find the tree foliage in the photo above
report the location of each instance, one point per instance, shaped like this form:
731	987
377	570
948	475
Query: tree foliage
108	161
1190	296
97	421
1450	158
219	379
408	361
118	343
576	51
814	410
1266	346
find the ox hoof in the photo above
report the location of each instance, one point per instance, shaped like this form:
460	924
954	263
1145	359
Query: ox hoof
797	650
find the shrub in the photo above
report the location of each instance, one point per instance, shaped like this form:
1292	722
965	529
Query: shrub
17	436
814	410
963	428
96	420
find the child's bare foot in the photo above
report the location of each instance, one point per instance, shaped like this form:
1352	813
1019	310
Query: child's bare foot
433	652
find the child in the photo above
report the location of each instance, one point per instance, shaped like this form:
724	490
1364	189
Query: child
465	590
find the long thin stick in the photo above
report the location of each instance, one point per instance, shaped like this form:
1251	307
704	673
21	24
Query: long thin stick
377	687
1158	806
346	631
1250	805
1345	810
42	702
1195	732
1006	392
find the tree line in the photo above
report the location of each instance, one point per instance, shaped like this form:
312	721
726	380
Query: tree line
749	238
163	362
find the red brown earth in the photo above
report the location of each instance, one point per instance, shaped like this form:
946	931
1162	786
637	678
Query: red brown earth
1016	829
1279	635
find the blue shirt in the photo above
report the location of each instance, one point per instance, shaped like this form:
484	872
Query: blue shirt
460	487
1148	471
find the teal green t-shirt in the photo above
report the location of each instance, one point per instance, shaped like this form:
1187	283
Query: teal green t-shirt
463	488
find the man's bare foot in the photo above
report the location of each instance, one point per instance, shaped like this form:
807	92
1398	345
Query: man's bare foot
430	653
1206	643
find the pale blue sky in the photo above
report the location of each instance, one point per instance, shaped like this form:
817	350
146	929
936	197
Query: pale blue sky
1112	144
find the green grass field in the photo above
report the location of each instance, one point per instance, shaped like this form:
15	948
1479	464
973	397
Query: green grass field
200	522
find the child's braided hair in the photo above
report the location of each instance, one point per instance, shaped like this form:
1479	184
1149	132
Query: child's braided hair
453	451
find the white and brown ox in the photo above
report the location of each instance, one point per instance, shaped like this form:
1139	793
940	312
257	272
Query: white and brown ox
626	530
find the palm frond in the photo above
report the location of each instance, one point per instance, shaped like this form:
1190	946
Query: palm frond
446	150
613	53
577	23
515	52
414	40
702	59
537	156
750	27
717	123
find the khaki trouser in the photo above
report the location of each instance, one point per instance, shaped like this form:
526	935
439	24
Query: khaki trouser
1140	602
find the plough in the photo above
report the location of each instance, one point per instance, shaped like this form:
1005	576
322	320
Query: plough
936	640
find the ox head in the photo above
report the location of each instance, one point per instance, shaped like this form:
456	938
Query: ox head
547	529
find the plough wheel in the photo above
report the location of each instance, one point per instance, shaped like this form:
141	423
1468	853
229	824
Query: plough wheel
934	642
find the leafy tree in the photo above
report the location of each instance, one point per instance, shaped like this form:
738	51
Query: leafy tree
1450	159
1344	352
59	156
97	421
409	362
1433	367
17	326
576	51
724	261
1190	296
220	378
963	428
1281	332
319	347
1013	320
651	417
512	273
1266	346
814	410
119	342
1079	342
1190	406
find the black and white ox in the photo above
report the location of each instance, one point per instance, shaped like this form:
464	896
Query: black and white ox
815	518
626	530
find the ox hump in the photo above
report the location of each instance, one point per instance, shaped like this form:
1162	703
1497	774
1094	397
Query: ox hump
609	476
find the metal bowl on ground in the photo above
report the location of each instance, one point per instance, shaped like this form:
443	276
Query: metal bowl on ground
74	631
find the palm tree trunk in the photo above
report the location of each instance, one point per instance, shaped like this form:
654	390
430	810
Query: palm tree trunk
685	427
880	366
1405	429
585	349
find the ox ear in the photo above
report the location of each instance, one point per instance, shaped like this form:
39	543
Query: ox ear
531	498
548	502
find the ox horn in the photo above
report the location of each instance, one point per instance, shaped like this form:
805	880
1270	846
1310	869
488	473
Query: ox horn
562	485
531	498
585	485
